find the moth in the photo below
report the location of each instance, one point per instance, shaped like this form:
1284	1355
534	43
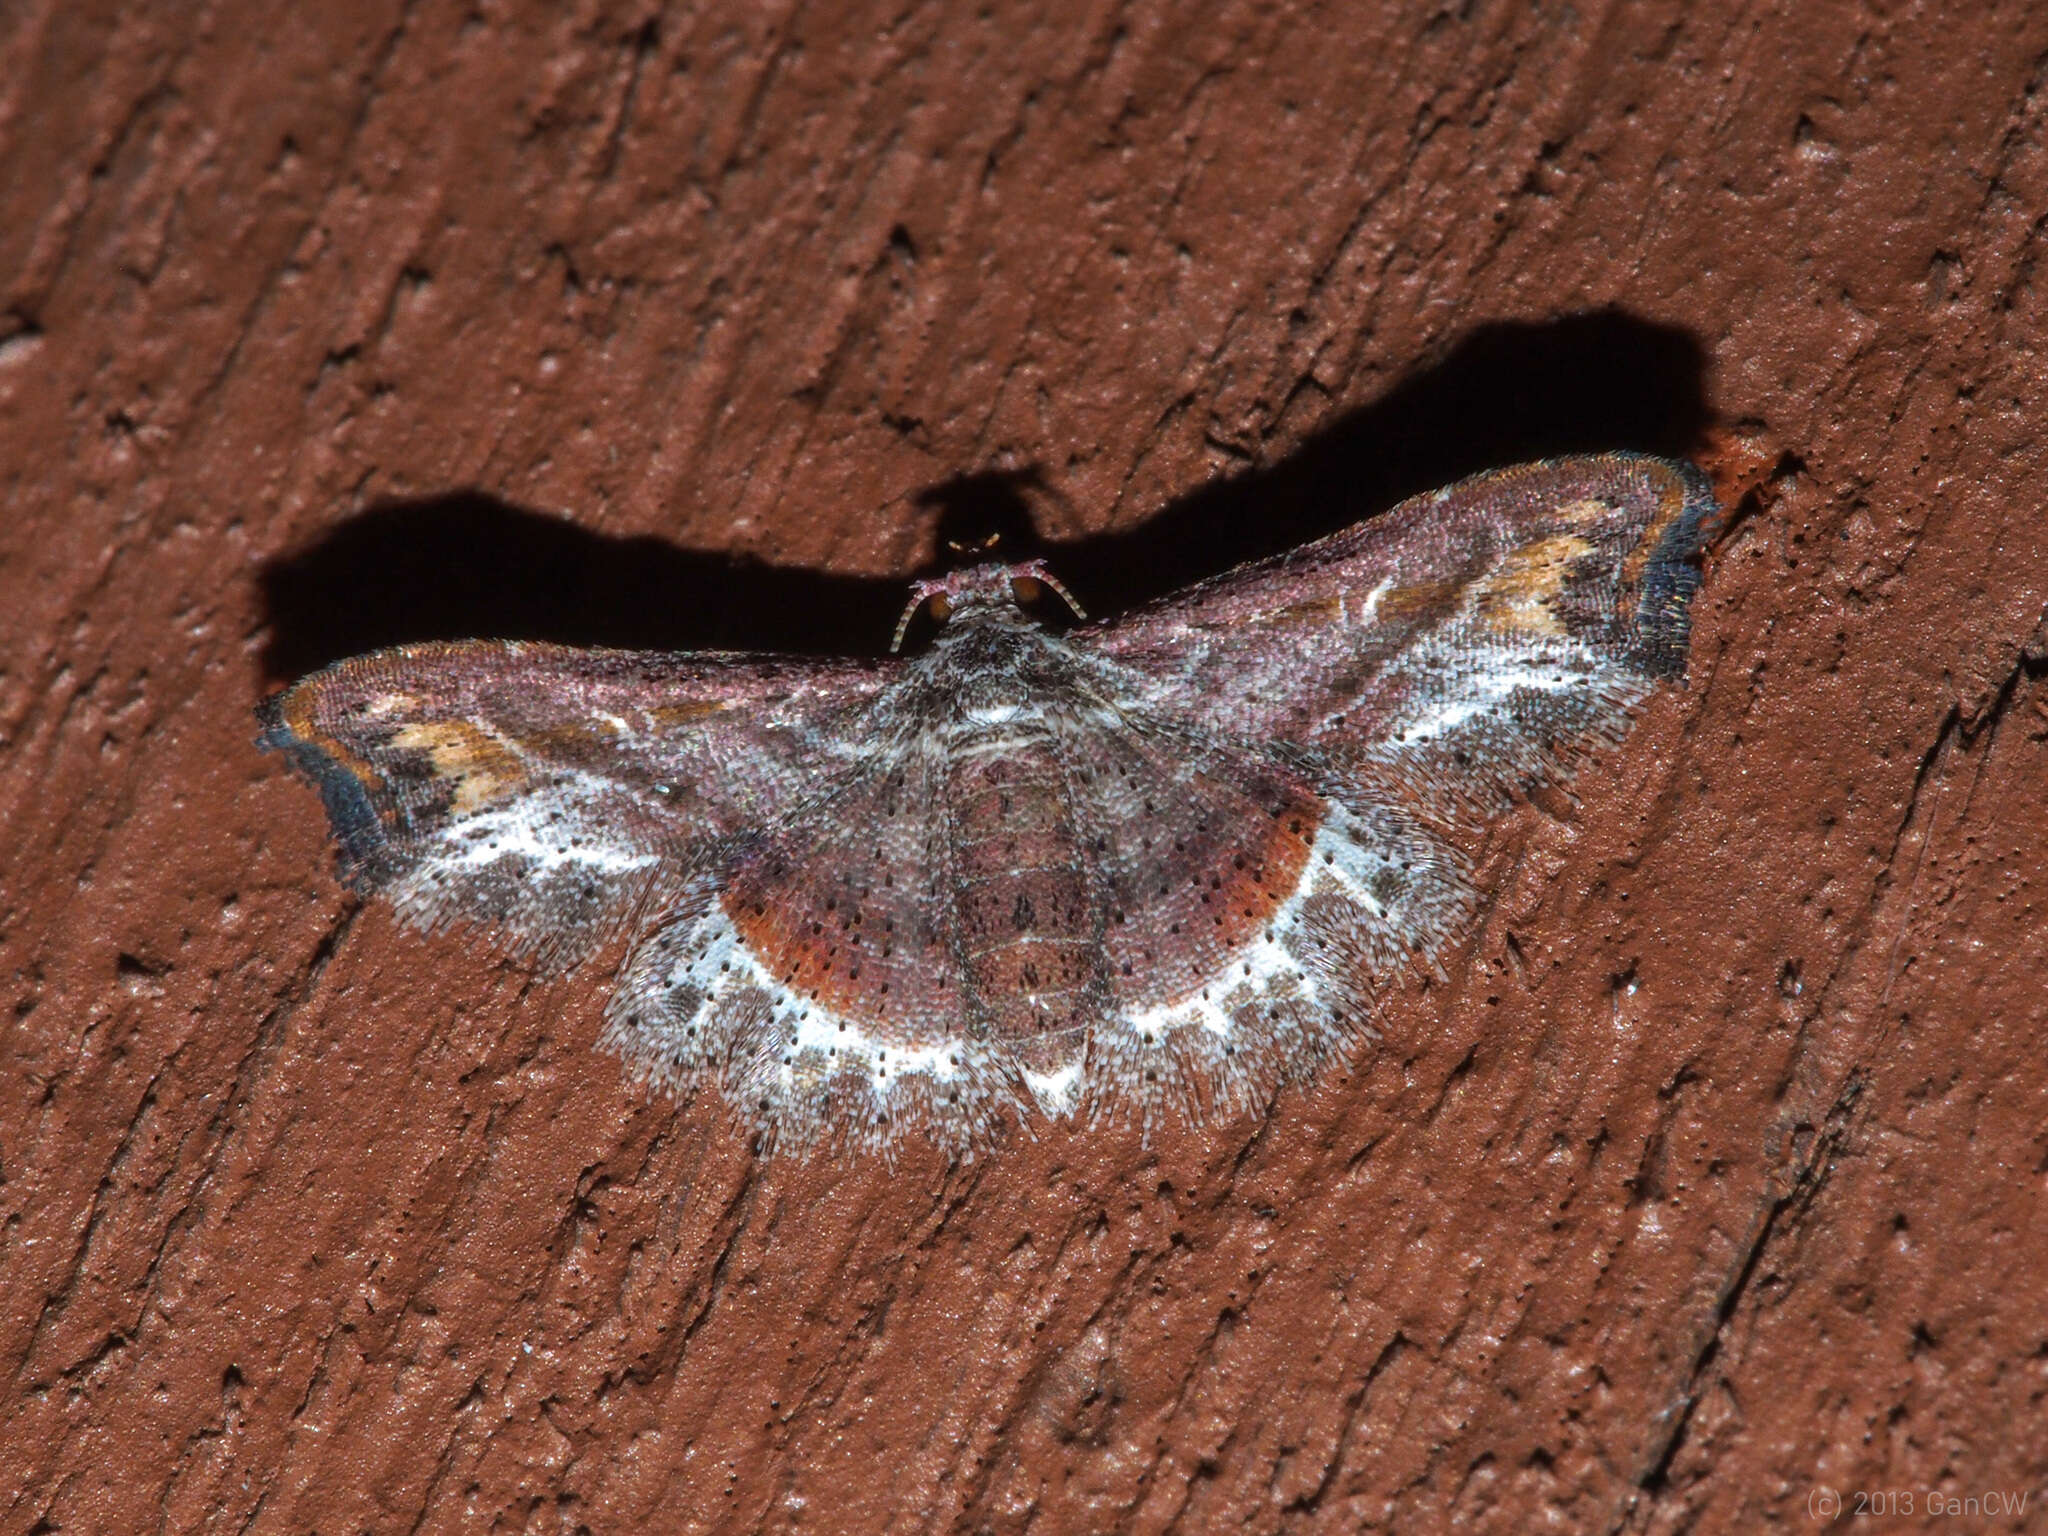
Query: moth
1156	865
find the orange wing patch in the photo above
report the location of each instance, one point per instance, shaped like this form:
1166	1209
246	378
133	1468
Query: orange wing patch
1421	600
1522	596
480	766
1265	874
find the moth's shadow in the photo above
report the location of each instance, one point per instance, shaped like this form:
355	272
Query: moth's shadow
466	565
470	566
1506	394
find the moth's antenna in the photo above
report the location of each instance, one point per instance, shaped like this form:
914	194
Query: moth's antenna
903	624
1041	573
921	592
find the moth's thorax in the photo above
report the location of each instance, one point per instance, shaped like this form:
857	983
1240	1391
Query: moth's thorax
994	669
987	629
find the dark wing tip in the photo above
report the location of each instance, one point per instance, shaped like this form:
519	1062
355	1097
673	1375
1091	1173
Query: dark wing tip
1671	573
352	816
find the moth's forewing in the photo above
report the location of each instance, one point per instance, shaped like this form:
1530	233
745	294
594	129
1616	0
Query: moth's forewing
549	791
1475	639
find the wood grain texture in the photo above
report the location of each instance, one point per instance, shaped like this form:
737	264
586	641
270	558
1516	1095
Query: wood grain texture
1711	1178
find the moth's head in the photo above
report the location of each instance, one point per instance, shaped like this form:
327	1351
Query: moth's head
995	589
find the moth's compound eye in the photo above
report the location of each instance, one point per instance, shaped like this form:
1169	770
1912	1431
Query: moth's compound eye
1027	589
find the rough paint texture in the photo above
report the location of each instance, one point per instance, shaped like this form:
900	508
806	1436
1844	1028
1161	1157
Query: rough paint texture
1712	1179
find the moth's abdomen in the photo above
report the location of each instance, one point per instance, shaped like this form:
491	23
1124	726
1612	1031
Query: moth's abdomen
1027	920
